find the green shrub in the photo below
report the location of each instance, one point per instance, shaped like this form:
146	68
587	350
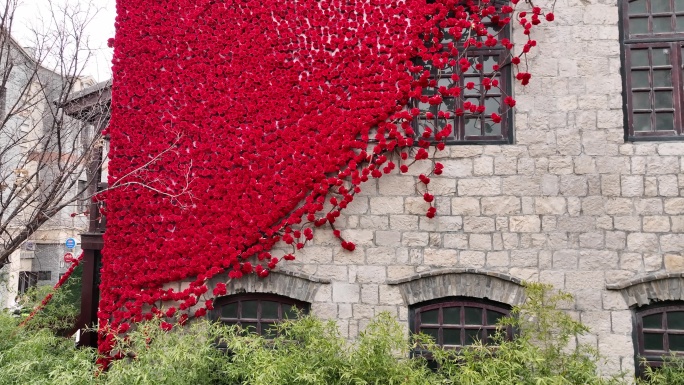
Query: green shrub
61	313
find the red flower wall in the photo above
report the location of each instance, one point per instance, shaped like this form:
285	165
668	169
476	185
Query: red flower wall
233	121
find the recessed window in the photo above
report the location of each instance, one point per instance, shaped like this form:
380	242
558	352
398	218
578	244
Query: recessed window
258	313
653	38
660	331
458	323
485	83
27	280
44	275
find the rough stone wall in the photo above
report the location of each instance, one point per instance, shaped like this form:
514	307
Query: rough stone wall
569	203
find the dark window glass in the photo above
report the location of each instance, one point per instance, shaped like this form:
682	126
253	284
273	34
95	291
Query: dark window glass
44	275
27	280
457	322
660	331
257	313
653	38
476	89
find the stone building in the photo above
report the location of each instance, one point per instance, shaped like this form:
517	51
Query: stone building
28	124
582	189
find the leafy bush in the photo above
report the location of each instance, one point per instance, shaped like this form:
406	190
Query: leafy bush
309	351
61	313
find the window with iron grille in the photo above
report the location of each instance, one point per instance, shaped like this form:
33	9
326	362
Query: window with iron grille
459	322
659	332
258	313
27	280
476	89
653	37
44	275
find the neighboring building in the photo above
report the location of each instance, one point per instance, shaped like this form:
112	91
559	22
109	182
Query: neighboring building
582	188
27	113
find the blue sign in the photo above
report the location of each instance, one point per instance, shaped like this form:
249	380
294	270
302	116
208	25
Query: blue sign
70	243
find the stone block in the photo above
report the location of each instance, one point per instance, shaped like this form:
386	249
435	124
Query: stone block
503	205
456	241
632	185
565	259
479	187
403	222
549	205
522	185
656	224
598	259
371	274
642	242
525	224
579	280
386	205
573	185
615	240
662	165
414	239
483	166
610	185
478	224
672	242
380	255
498	258
457	168
673	262
388	238
440	257
668	186
345	292
480	241
471	258
397	185
369	294
465	206
390	295
674	205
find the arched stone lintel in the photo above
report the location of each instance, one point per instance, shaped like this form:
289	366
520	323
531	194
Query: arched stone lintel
476	283
291	284
643	290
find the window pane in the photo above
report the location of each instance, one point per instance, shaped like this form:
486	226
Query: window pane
492	105
493	317
472	126
490	335
434	333
640	79
229	310
489	62
451	315
679	5
659	6
452	336
289	312
492	128
269	310
473	316
249	327
641	100
677	342
473	335
663	99
653	341
642	122
653	321
661	78
429	317
664	121
638	6
639	57
638	25
661	56
446	82
675	320
269	331
662	24
249	309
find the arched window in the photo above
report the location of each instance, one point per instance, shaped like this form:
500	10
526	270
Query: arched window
660	331
458	321
257	312
652	41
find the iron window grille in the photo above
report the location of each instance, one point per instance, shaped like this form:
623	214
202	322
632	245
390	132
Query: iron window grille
258	313
652	39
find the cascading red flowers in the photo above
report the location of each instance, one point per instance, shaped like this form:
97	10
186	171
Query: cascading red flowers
268	111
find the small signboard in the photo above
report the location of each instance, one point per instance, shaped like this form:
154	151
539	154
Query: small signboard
70	243
69	258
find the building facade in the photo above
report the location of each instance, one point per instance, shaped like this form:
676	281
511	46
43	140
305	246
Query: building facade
582	190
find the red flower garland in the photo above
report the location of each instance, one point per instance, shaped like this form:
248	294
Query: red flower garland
264	110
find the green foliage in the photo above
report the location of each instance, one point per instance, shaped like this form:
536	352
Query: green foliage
60	314
29	356
672	372
309	351
153	356
543	351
